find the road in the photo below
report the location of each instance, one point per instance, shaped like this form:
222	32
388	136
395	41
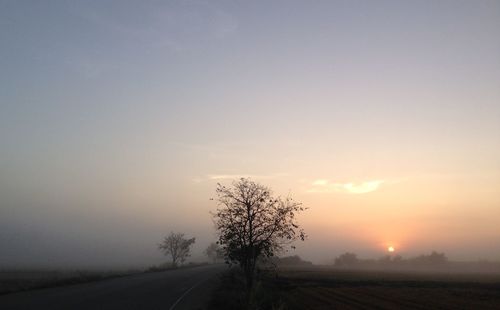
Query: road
188	288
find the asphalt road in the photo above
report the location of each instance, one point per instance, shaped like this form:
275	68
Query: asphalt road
179	289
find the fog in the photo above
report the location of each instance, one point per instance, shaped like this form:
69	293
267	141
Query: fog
51	229
117	120
80	219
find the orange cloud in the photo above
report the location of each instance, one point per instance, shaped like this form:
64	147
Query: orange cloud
325	186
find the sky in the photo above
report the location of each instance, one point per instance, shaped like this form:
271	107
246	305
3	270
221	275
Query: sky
118	118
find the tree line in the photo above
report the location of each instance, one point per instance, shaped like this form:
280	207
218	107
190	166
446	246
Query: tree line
349	259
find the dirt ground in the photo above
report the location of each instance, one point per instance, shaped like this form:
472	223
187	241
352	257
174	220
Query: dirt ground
323	288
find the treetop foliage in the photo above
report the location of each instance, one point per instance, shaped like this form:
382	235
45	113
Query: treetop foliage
252	223
177	247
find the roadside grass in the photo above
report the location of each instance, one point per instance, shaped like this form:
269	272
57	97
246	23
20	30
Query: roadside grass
17	280
231	292
21	280
169	266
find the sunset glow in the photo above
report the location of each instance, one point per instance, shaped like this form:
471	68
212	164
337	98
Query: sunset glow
325	186
119	118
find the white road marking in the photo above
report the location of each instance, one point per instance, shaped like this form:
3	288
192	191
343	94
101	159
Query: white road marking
185	293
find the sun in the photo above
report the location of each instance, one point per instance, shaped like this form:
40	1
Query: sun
390	249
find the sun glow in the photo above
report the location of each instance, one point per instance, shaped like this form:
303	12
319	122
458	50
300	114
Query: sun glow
390	249
325	186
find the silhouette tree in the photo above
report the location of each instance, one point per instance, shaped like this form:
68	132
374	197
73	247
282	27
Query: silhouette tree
253	224
294	260
214	252
346	259
435	258
177	247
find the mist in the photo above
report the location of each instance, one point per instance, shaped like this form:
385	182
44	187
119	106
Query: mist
48	228
117	121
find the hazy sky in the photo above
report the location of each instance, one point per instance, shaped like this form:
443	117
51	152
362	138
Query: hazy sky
117	118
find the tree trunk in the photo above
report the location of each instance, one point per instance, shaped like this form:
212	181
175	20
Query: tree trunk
249	278
249	270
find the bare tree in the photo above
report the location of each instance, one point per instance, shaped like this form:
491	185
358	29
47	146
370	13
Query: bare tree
177	247
214	252
253	224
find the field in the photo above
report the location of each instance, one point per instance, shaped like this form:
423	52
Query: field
20	280
328	288
14	280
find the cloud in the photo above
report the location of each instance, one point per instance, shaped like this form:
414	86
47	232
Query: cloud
216	177
238	176
325	186
320	182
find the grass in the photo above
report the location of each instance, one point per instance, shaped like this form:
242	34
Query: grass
12	281
19	280
169	266
231	292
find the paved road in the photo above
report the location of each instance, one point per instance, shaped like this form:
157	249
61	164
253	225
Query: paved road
188	288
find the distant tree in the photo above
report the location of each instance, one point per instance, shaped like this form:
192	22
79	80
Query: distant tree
214	252
253	224
177	247
386	259
294	260
397	258
435	258
346	260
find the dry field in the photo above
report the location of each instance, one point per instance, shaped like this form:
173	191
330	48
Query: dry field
327	288
20	280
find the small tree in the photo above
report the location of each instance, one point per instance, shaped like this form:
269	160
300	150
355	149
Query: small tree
214	252
253	224
177	247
